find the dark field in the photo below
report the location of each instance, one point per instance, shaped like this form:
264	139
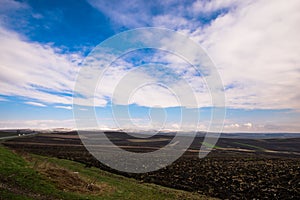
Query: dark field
235	169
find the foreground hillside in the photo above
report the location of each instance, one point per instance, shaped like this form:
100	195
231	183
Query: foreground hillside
29	176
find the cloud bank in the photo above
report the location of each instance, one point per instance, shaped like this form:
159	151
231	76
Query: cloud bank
35	71
254	44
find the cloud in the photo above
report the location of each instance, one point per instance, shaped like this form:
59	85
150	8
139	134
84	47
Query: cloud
38	124
35	104
249	125
11	5
35	71
255	49
254	44
237	126
171	14
43	73
64	107
207	6
171	84
261	127
133	14
123	12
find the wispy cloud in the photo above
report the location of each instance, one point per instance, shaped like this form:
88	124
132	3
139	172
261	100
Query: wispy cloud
262	58
12	5
39	124
171	14
206	6
64	107
266	127
3	99
129	13
255	49
254	44
35	71
35	104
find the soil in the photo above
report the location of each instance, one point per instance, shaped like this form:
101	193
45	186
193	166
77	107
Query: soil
235	169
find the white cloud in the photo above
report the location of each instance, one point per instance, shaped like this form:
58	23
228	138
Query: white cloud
249	125
38	124
43	74
11	5
262	127
264	57
176	22
232	126
169	85
125	12
154	96
35	71
254	44
237	126
206	6
35	104
64	107
255	48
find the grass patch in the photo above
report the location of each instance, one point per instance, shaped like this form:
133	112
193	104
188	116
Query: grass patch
251	146
20	181
210	145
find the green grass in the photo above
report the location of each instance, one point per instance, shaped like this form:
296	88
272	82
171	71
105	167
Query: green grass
20	181
28	181
251	146
210	145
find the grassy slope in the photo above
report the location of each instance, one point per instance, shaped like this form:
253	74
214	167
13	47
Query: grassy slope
210	145
251	146
38	177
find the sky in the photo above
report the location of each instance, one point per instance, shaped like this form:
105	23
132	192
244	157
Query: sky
254	45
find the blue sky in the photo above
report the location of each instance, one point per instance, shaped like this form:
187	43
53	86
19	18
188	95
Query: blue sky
254	45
